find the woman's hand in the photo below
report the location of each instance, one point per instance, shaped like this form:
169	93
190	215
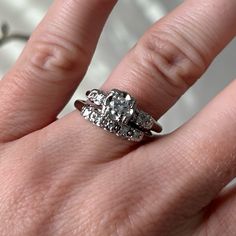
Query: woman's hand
68	177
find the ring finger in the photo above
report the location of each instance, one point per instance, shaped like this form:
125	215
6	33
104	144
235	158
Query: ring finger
166	61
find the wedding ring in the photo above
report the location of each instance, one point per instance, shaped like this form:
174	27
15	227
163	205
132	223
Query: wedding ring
117	112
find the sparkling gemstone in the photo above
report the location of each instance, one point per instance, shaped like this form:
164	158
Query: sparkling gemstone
86	112
130	132
98	100
116	128
93	116
120	106
98	120
137	135
105	122
124	131
144	120
111	126
149	123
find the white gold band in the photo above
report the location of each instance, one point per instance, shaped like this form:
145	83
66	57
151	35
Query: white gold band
117	113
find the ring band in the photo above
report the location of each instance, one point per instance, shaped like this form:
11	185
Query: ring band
117	113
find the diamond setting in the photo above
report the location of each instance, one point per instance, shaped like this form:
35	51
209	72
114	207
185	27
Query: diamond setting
117	113
95	116
119	106
143	120
86	111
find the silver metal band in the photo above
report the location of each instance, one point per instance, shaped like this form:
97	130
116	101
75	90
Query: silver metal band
94	115
117	113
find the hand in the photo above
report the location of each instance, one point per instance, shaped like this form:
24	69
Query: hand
68	177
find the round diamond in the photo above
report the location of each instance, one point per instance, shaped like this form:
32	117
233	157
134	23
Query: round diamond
120	107
137	135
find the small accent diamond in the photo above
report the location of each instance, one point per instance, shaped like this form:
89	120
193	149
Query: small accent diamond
86	111
123	130
137	135
99	99
144	120
93	116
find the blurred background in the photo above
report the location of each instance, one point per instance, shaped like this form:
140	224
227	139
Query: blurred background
126	24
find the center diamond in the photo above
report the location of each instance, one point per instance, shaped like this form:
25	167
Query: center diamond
119	106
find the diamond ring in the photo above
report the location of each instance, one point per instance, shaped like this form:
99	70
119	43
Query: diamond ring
117	112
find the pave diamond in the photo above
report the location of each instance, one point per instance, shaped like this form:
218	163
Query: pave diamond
124	130
93	116
98	120
108	124
116	128
111	125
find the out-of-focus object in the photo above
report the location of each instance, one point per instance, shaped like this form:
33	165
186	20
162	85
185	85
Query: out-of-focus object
7	36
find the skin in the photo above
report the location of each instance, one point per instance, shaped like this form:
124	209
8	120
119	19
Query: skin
68	177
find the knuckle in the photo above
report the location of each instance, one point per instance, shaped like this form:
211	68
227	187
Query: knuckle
51	57
53	54
169	60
